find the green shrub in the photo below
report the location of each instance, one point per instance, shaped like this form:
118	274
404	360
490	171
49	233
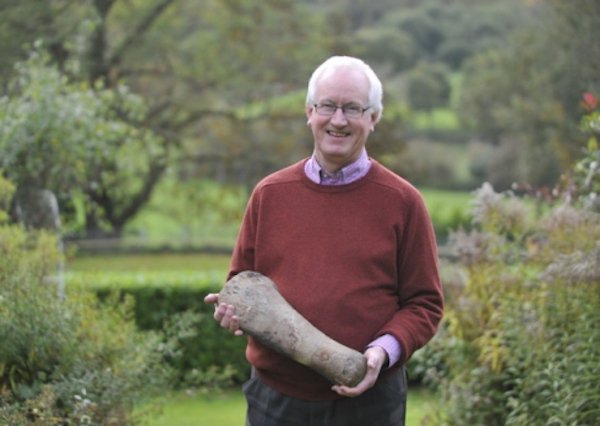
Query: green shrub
7	190
519	344
561	383
70	361
165	301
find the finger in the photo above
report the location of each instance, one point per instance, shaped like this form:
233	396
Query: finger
234	322
351	392
228	318
225	312
364	385
376	357
220	311
211	298
234	325
374	363
225	316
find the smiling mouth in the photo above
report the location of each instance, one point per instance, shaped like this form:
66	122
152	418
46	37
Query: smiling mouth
337	134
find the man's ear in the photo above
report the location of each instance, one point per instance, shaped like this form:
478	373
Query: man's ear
373	120
308	110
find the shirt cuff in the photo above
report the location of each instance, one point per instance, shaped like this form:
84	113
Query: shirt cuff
390	345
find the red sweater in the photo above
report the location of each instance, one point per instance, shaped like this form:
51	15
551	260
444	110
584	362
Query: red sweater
357	261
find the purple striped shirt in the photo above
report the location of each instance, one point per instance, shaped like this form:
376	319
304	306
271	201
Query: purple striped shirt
345	175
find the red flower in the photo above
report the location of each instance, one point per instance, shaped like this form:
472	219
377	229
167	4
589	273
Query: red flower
590	102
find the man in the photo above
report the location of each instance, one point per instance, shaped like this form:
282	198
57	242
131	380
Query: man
351	247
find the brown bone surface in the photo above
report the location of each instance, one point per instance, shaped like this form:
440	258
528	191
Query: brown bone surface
268	317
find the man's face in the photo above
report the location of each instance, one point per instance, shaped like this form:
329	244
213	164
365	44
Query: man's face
339	140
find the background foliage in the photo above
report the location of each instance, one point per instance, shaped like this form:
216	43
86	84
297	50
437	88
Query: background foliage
152	120
69	360
519	340
163	87
518	346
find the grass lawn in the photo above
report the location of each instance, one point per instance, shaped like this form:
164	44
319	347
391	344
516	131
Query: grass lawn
228	409
150	262
442	204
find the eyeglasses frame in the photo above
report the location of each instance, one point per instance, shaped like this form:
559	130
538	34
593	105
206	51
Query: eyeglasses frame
337	106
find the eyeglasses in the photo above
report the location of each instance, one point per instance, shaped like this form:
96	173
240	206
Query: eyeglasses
349	110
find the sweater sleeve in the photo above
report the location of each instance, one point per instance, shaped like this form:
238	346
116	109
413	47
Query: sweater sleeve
420	292
242	258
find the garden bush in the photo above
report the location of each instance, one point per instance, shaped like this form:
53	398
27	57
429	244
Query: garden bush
71	360
519	344
173	303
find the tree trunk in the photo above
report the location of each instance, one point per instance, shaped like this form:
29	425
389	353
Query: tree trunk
38	209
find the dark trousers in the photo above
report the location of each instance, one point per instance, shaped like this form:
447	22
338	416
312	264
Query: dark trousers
382	405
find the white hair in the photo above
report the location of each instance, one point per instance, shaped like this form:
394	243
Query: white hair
337	62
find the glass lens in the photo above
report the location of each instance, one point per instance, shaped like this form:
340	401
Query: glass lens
352	110
349	110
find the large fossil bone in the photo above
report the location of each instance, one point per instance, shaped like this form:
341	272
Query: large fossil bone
268	317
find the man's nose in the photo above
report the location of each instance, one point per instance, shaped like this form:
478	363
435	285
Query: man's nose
338	116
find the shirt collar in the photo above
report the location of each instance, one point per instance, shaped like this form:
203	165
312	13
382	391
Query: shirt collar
345	175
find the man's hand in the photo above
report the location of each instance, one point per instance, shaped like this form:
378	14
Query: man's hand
376	358
224	314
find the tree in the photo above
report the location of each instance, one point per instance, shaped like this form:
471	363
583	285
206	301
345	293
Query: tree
469	27
57	22
527	90
428	86
386	46
188	62
61	136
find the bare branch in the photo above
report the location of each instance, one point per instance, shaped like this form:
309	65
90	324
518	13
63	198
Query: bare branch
152	16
